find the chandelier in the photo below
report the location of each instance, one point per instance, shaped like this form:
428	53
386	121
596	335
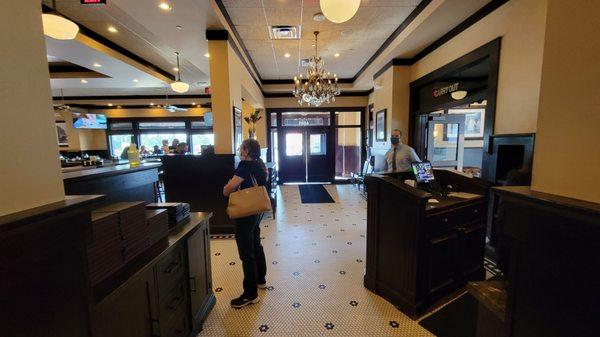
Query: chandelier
317	88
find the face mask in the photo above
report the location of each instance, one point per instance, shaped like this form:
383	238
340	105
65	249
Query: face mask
395	140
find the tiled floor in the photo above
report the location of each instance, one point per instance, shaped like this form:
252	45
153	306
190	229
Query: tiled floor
315	260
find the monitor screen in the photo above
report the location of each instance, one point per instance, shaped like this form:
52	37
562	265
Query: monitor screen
89	121
423	172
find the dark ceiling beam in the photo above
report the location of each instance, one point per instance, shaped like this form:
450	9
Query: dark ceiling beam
101	39
119	97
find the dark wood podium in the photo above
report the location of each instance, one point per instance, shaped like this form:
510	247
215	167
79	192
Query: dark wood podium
418	251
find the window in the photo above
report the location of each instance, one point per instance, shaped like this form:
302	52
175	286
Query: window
347	152
305	118
161	125
294	144
318	144
118	143
121	126
151	139
202	139
198	124
347	118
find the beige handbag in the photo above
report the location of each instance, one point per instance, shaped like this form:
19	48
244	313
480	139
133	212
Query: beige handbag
248	201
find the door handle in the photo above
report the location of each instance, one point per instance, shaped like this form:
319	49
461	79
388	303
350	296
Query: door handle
192	284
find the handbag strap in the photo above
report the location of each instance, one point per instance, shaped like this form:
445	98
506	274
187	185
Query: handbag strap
254	182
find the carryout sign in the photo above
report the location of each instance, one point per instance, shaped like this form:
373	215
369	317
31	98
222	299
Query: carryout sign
445	90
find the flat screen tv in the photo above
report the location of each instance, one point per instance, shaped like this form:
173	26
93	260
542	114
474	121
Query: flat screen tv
89	121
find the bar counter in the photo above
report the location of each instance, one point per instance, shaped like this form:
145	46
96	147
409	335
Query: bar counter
119	182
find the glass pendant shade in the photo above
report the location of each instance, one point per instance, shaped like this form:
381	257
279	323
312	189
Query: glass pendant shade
58	27
458	95
338	11
180	87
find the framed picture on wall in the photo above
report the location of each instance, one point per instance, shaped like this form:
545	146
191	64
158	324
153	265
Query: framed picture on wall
237	128
474	122
380	125
61	134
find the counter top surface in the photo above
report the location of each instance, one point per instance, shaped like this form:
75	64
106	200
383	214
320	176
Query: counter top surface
106	171
525	192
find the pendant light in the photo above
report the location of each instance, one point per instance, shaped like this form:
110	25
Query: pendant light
57	26
458	95
338	11
179	86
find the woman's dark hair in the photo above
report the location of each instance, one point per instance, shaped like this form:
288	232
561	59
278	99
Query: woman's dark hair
252	146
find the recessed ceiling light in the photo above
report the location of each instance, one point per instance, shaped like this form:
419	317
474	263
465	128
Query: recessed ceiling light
97	65
179	27
164	6
112	29
175	69
135	80
83	81
110	104
193	103
119	107
151	103
336	54
207	55
287	55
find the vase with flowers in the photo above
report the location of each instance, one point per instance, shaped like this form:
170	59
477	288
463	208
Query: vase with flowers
252	120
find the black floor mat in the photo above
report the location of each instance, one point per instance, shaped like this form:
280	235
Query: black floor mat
314	194
457	319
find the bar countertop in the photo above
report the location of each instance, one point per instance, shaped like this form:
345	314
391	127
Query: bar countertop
106	171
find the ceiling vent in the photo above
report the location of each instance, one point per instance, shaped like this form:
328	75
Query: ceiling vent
284	32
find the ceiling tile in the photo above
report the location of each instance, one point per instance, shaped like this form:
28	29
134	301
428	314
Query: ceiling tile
242	3
247	16
253	32
283	16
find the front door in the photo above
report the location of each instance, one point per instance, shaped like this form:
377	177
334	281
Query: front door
305	155
446	141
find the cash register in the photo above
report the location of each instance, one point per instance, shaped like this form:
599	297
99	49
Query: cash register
425	179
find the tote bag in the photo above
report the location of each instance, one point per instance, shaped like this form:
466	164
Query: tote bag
248	201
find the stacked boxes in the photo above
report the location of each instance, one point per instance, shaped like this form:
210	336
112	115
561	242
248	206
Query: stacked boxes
104	253
158	225
178	211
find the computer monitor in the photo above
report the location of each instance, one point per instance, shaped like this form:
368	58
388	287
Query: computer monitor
423	172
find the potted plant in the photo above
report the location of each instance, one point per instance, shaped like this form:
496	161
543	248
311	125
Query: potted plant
252	120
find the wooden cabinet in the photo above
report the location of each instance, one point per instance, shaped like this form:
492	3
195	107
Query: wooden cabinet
200	281
127	311
417	251
170	296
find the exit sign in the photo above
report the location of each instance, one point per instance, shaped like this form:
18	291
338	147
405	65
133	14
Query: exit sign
93	2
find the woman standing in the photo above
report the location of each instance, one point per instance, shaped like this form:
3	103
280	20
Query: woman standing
247	230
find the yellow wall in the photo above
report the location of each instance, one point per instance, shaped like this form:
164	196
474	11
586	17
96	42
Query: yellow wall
521	24
30	172
567	151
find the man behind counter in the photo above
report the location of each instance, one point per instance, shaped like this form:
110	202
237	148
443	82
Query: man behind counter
399	156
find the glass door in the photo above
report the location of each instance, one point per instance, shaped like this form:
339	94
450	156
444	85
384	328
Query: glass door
319	166
446	141
292	156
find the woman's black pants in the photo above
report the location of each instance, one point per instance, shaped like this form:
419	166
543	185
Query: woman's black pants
247	237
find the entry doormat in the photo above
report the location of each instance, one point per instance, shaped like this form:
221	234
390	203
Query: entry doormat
315	194
456	319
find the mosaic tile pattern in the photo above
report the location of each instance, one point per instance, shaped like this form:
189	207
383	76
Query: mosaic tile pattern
315	261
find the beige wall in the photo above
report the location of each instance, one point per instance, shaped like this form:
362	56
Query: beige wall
521	24
30	171
392	94
567	152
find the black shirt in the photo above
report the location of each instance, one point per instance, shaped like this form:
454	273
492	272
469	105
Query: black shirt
248	168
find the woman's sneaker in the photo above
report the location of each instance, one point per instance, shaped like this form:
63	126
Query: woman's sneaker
262	285
244	301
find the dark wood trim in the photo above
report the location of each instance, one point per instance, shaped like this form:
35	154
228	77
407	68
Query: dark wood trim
119	97
219	35
251	66
393	62
394	35
134	106
461	27
490	50
101	39
307	109
468	22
